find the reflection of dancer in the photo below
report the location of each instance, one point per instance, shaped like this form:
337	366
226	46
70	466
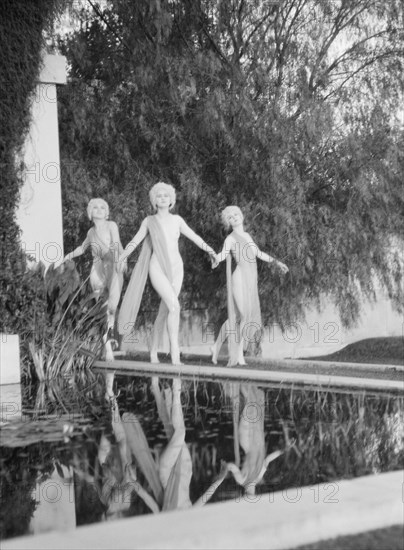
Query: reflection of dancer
244	312
176	456
251	438
104	241
119	479
169	478
161	259
175	463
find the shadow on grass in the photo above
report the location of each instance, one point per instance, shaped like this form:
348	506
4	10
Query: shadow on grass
384	351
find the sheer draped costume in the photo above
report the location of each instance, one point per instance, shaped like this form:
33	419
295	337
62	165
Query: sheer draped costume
172	494
103	271
244	254
154	243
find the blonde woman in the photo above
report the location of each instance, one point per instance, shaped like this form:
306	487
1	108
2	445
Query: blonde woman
243	324
161	260
104	241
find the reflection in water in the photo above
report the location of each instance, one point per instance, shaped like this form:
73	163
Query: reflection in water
159	444
167	476
249	435
54	497
36	490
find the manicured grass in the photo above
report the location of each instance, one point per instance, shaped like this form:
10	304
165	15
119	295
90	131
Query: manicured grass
383	351
390	538
380	351
386	351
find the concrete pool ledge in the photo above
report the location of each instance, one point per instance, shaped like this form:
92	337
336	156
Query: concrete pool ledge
299	363
251	374
280	520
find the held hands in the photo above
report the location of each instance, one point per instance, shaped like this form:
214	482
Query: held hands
212	255
214	259
122	264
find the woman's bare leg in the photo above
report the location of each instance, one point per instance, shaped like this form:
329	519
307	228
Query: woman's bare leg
97	283
237	288
177	442
158	328
177	416
114	293
162	410
109	384
167	293
221	338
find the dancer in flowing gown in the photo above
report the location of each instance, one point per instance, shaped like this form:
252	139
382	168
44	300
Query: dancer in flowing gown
161	259
250	436
104	241
243	324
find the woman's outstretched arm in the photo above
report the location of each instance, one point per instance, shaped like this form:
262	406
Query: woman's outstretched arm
133	244
235	470
76	252
192	236
269	259
208	494
79	250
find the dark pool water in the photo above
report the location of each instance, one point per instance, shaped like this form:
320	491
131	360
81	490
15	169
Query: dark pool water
76	458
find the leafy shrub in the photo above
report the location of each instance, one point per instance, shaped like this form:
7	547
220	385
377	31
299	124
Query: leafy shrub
64	327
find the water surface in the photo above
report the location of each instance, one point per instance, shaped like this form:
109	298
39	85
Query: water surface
78	456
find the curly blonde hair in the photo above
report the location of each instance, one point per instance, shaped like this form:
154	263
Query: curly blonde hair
91	204
227	212
167	187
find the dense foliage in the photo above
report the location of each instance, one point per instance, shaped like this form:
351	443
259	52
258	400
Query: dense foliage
61	331
22	26
289	109
67	335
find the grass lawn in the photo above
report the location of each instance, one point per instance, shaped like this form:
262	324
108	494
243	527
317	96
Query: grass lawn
375	351
386	351
390	538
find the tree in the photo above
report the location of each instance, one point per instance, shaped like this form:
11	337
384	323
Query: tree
289	109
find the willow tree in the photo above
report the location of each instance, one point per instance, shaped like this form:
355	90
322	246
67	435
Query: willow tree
289	109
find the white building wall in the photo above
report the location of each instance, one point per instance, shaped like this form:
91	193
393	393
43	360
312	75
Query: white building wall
40	211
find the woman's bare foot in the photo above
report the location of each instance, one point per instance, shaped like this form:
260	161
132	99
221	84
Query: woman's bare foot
213	352
155	385
108	341
111	398
154	357
175	355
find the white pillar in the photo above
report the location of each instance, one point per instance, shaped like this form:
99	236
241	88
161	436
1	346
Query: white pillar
39	214
40	211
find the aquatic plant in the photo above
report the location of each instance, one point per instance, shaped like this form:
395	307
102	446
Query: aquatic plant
64	335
